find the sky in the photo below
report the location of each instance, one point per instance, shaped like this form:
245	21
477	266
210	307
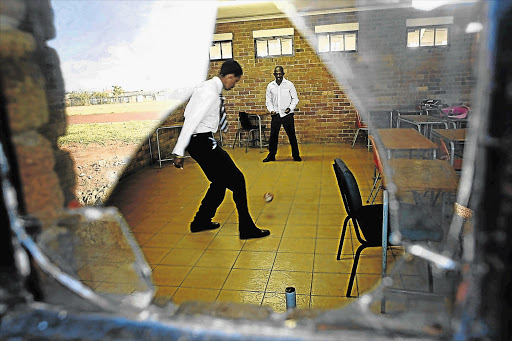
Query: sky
137	44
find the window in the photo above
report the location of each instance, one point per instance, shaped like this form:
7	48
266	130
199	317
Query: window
428	31
222	46
271	43
334	42
337	37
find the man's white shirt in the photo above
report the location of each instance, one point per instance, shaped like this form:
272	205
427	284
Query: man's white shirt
281	97
201	114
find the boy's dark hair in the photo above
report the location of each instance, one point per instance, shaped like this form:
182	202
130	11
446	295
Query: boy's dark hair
231	66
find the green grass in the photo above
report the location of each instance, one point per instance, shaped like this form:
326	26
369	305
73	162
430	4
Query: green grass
129	132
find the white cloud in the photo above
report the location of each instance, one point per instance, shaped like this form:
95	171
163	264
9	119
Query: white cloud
170	51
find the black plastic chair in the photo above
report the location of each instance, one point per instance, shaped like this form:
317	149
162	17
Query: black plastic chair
367	220
246	126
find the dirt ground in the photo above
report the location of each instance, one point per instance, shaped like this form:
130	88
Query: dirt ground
98	166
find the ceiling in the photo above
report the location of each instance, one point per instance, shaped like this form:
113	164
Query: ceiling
231	10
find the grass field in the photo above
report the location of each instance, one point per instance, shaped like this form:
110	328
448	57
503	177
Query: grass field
122	107
129	132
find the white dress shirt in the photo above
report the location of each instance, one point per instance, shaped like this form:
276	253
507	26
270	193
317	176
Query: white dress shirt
201	113
281	97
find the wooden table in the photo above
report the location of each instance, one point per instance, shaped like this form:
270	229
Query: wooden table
452	136
426	121
409	175
404	139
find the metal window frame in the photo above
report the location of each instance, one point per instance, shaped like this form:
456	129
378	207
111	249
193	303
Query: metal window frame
266	39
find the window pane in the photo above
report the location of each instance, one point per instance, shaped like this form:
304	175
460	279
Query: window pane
427	37
350	42
413	37
227	51
287	46
215	51
261	48
274	47
337	43
323	43
442	36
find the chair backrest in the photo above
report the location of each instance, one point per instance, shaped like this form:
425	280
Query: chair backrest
443	150
349	188
245	122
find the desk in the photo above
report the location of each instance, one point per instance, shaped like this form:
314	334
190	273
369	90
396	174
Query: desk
426	121
452	136
409	175
404	139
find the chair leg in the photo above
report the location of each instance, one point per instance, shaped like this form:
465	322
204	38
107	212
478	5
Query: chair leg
237	134
355	137
354	268
345	224
375	181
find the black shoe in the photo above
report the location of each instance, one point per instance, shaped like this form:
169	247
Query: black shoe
268	159
297	158
198	227
254	233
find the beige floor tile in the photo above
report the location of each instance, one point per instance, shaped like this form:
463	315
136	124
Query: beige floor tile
226	242
366	283
330	284
240	296
329	263
255	260
142	237
330	231
280	280
302	219
154	255
293	262
247	279
187	257
115	288
160	239
195	294
204	277
164	291
200	240
299	231
218	258
169	275
176	227
298	245
330	246
330	302
263	244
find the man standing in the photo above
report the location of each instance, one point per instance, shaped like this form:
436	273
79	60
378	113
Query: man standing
203	115
281	100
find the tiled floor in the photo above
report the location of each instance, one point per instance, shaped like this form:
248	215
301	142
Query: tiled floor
305	220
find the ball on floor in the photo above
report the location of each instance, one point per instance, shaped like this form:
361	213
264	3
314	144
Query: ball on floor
268	197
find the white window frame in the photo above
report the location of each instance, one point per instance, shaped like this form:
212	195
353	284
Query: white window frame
222	41
275	42
418	27
328	32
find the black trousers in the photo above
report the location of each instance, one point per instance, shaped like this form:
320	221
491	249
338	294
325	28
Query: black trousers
223	174
289	126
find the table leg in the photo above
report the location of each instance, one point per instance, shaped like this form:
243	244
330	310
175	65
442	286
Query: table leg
384	244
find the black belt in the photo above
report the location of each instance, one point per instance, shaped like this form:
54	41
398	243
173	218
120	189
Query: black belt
207	134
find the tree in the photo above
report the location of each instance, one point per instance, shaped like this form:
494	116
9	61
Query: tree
117	91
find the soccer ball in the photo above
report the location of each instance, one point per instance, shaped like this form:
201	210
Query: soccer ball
268	197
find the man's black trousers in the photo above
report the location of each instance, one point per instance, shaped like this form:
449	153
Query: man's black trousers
223	174
289	126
